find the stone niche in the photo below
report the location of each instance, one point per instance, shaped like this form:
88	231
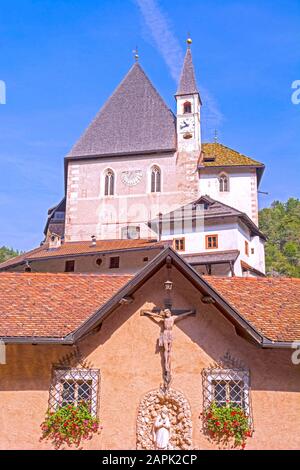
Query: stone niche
179	414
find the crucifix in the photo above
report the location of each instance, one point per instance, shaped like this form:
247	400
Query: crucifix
167	318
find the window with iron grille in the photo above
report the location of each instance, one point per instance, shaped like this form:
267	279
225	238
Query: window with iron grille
226	387
114	262
69	266
73	386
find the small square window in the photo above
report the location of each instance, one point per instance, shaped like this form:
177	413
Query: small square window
69	266
226	387
114	262
145	259
211	242
252	251
179	244
73	386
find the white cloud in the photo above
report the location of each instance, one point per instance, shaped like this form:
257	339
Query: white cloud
163	36
170	49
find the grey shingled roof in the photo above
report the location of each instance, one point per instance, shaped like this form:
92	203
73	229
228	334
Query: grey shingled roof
212	210
135	119
187	83
219	257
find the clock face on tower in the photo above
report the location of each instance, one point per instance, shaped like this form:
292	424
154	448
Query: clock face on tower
186	125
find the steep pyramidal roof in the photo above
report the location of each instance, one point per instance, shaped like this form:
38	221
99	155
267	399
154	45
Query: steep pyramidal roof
187	83
135	119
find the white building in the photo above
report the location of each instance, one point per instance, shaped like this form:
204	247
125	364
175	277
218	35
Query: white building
215	238
137	160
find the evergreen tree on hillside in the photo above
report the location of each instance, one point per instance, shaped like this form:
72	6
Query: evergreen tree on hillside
6	253
281	224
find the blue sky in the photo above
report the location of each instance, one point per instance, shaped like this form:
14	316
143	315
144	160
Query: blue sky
61	60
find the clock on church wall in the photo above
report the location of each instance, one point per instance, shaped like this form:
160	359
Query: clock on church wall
186	125
131	178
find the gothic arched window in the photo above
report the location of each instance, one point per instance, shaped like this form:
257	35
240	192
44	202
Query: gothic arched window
223	183
155	179
109	187
187	107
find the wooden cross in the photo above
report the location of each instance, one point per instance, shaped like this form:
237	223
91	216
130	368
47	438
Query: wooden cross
167	318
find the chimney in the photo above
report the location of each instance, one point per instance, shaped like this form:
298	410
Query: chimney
94	240
54	241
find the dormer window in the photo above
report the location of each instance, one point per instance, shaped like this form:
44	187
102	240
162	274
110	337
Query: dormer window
54	241
187	107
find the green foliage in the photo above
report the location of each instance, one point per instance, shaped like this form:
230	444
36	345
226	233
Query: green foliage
227	424
6	253
281	224
69	425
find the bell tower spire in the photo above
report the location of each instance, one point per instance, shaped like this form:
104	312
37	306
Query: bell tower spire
188	106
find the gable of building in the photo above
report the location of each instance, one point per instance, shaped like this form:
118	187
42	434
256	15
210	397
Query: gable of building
64	308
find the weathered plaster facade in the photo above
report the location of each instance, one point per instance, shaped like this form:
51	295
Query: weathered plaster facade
125	351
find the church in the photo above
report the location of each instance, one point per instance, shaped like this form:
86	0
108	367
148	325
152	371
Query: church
137	163
147	307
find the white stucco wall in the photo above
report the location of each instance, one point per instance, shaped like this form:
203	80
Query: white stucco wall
231	236
195	242
242	194
90	212
257	258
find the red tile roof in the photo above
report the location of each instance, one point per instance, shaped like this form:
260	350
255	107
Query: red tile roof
52	305
271	305
82	248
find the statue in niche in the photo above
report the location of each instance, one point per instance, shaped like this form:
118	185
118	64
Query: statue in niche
166	337
162	430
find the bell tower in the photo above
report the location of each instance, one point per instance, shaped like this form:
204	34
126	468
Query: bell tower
188	130
188	107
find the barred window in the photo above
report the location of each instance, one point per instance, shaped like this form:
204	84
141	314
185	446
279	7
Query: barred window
72	386
114	262
227	386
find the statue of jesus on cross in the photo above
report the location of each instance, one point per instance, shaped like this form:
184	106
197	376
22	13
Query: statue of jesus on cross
166	337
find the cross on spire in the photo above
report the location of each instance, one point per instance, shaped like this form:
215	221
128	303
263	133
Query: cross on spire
136	54
189	41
